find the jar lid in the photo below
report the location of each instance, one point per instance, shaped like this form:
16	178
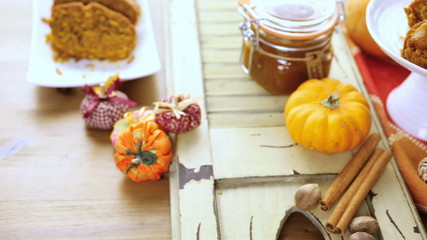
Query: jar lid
294	19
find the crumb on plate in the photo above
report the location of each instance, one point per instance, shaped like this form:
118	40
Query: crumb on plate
90	66
131	59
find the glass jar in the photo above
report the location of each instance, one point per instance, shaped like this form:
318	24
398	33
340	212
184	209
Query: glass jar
286	42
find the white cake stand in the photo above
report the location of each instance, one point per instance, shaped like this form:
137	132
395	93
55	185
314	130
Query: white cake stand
407	103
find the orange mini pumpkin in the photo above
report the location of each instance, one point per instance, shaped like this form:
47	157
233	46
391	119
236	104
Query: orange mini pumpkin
143	151
328	116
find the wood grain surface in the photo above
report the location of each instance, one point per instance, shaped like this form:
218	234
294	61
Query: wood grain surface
58	179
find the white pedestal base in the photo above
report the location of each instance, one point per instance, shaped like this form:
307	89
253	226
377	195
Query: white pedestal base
407	106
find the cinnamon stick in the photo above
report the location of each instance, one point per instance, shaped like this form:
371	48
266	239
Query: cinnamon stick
349	172
351	191
363	185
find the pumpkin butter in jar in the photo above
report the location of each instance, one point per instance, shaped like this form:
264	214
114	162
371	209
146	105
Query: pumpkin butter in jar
286	42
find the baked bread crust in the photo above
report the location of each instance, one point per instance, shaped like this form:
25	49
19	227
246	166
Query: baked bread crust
415	44
128	8
416	12
90	31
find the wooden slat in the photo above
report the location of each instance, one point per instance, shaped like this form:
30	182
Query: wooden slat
392	208
248	119
220	29
223	16
260	205
220	56
260	103
223	70
215	5
224	87
186	73
343	66
235	182
267	151
224	42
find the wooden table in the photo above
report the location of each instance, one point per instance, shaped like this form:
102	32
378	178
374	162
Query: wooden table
58	179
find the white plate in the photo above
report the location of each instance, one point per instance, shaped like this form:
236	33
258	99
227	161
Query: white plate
44	71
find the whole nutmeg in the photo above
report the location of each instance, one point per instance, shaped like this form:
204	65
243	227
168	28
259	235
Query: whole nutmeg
422	169
363	224
361	236
307	197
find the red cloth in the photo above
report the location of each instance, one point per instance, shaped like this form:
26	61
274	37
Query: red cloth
380	75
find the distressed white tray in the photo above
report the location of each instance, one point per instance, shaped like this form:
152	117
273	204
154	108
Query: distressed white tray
44	71
235	176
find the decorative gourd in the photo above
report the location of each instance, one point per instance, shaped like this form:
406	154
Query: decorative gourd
143	114
143	151
327	116
178	114
103	105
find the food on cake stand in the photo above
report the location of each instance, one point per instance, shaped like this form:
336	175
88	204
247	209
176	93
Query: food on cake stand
388	24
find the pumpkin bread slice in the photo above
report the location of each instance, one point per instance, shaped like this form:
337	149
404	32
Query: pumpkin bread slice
415	45
128	8
416	12
90	31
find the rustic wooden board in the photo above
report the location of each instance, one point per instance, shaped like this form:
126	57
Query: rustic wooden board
234	177
260	208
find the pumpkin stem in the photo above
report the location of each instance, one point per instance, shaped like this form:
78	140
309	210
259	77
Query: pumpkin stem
131	166
148	158
145	157
332	101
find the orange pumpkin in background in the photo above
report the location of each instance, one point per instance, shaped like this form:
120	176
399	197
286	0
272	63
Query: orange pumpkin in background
357	29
